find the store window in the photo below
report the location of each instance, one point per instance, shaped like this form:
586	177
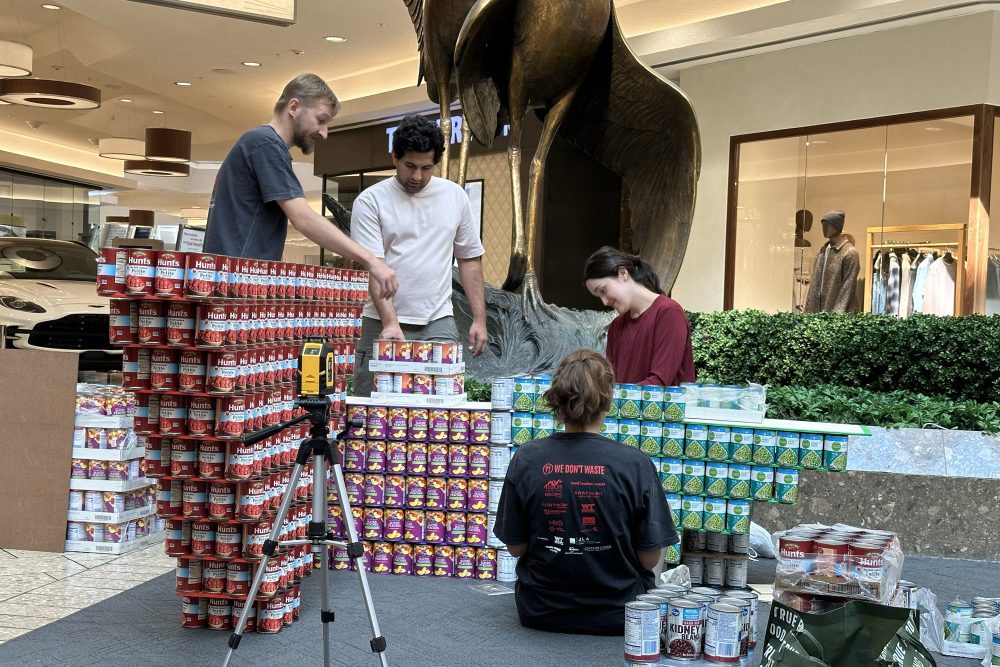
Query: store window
904	189
38	207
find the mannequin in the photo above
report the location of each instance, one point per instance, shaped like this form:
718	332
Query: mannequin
834	279
803	223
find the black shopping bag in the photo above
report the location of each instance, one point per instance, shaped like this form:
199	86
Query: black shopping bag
855	635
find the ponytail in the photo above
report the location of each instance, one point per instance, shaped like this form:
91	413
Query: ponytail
606	262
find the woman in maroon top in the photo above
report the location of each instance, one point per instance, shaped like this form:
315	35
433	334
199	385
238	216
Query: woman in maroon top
650	340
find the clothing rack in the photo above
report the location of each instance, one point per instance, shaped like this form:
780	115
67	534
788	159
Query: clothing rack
957	232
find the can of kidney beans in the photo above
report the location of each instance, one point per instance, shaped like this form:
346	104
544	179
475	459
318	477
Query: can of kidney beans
180	324
191	371
152	323
170	267
194	612
140	272
163	370
111	265
124	321
173	415
135	368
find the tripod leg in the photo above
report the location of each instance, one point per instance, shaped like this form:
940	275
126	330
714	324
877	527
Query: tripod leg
317	531
356	552
270	545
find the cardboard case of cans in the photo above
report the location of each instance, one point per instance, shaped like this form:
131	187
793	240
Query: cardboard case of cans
418	480
840	561
445	357
211	346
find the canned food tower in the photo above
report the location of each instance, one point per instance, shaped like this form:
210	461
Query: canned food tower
226	334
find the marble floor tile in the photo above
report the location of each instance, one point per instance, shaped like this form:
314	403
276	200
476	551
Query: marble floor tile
17	583
11	633
73	599
24	622
116	583
90	560
26	566
31	610
4	555
144	572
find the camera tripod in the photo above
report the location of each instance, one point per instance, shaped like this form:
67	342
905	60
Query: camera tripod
318	447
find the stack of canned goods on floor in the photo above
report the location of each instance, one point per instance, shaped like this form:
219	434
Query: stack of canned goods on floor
505	391
418	481
716	559
691	624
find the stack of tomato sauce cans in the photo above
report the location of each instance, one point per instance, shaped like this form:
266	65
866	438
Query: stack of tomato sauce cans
691	624
211	346
418	481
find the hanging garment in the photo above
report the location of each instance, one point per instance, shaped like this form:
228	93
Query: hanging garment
913	279
920	282
834	279
878	286
939	292
892	287
905	285
993	286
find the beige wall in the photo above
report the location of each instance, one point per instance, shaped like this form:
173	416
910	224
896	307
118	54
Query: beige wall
495	173
928	66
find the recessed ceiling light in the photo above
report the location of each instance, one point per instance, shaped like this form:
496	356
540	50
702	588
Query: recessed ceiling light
182	83
335	38
157	111
48	6
933	128
250	63
124	99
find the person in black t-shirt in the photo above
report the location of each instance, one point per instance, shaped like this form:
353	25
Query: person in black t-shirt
585	515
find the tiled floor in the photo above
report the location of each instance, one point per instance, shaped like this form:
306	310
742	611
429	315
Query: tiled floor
39	587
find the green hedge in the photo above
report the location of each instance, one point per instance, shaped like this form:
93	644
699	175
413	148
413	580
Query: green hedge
953	357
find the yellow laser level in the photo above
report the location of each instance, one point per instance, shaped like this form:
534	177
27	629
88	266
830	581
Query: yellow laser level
317	368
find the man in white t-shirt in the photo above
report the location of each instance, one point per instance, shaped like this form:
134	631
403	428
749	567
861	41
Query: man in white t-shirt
418	223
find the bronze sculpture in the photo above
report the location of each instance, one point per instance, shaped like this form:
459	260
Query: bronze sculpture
570	59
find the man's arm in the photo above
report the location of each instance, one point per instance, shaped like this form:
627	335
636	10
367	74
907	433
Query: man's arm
386	313
318	229
648	559
471	273
518	550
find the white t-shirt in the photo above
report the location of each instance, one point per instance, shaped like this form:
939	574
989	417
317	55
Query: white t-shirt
417	235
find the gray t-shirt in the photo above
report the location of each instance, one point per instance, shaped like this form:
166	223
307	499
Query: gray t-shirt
244	218
418	235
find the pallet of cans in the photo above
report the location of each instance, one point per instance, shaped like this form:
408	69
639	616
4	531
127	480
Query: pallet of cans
412	369
837	561
420	486
694	625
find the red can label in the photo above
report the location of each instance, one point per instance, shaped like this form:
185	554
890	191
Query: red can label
111	271
228	541
152	323
140	272
211	460
173	415
183	460
240	463
135	368
222	500
180	324
163	370
201	417
170	274
147	414
222	371
124	321
191	371
252	500
213	322
202	275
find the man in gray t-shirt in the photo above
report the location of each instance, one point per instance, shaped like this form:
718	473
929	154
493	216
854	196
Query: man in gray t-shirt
419	223
257	194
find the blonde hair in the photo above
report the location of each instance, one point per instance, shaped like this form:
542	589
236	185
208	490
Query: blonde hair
581	388
307	89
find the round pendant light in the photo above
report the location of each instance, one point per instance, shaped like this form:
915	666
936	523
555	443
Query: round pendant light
49	94
15	59
164	144
156	168
120	148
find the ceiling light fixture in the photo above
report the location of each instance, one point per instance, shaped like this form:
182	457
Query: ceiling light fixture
121	148
48	6
50	94
157	111
335	39
250	63
124	99
15	58
182	83
933	128
164	144
155	168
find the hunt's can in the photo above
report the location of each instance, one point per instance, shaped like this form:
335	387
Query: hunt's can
173	416
810	450
124	321
835	452
191	370
787	448
221	500
152	328
140	272
761	483
723	630
195	499
111	265
180	324
170	267
831	557
685	629
194	612
642	632
203	274
222	369
201	422
502	394
228	541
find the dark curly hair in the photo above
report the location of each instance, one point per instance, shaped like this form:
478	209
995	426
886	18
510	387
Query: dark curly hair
416	134
581	387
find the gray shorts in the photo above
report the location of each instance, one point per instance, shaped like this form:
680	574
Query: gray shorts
441	329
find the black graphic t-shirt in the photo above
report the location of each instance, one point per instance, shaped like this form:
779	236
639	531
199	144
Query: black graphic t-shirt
584	505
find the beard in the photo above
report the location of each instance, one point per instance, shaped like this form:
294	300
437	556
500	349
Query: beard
302	141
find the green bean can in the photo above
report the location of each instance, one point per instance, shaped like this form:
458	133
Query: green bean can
693	480
718	442
696	441
673	440
609	429
786	485
544	425
631	402
810	450
542	384
716	479
761	483
524	394
522	427
692	512
835	452
788	449
714	515
651	437
671	475
628	432
765	444
674	503
673	404
741	445
652	403
739	481
616	401
738	517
